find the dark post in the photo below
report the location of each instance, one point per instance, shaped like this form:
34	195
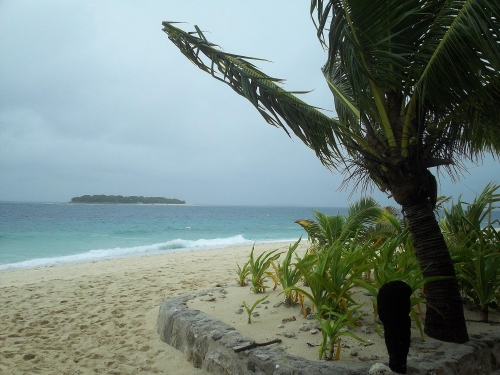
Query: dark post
394	308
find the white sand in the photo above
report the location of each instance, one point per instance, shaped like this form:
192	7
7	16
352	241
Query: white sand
100	317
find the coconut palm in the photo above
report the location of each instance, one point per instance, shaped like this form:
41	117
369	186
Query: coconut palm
365	220
328	229
464	219
416	85
474	248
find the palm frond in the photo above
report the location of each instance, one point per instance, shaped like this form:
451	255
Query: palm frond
442	58
279	107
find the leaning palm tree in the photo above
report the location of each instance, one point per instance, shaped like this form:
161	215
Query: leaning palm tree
415	84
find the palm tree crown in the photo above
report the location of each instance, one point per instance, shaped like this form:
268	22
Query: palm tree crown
417	81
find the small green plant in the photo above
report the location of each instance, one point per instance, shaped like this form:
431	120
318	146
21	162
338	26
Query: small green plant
243	274
332	278
288	274
250	309
474	249
482	277
258	268
355	226
332	330
390	263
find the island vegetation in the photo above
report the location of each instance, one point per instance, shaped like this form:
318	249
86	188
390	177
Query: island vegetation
128	200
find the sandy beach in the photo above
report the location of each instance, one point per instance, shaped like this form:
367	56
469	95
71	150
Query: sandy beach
100	317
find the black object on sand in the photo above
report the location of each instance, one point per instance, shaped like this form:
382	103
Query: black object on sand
394	308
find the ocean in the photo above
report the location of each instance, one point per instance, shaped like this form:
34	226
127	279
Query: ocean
40	234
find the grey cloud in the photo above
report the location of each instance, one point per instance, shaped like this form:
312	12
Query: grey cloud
95	99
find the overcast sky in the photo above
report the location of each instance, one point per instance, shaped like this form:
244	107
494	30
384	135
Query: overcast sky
94	99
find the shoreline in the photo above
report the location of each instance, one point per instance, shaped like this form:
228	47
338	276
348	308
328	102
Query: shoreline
100	317
59	261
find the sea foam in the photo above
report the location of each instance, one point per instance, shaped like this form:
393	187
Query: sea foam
176	245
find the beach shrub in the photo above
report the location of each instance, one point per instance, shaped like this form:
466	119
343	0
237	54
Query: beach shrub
462	218
288	274
243	273
331	278
250	309
333	328
475	249
478	269
392	261
259	269
355	226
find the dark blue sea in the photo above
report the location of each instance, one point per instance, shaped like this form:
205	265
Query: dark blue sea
36	234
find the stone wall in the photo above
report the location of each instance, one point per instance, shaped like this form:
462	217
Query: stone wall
209	344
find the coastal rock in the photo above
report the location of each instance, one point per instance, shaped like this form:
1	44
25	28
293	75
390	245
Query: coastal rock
380	369
366	329
263	357
304	327
288	333
426	347
216	336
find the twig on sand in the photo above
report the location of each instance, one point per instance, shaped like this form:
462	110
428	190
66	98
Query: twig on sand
254	345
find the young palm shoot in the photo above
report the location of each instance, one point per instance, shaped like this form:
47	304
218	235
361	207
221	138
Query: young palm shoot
243	273
332	330
484	280
250	309
389	263
288	274
258	268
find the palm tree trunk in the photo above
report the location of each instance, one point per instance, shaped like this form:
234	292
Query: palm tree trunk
445	316
484	313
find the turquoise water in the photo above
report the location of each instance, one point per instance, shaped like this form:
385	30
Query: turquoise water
34	234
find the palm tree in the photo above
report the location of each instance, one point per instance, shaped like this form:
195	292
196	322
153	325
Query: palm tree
358	225
416	85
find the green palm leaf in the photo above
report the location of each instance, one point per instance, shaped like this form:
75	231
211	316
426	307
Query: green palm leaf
276	105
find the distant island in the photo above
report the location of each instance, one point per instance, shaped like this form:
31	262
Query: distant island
121	199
